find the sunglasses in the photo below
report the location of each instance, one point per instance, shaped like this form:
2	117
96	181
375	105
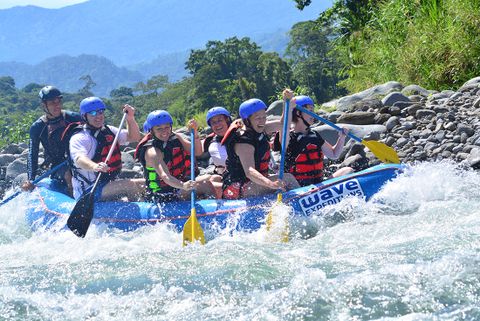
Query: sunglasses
96	112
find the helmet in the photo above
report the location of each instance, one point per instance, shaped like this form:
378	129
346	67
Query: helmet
146	127
248	107
303	100
49	92
215	111
158	117
90	104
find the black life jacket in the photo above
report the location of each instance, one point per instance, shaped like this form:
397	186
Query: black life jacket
104	137
54	149
175	157
260	142
304	156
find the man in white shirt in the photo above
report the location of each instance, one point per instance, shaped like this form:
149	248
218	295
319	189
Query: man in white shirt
88	149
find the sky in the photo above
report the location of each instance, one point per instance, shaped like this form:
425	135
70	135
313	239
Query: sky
4	4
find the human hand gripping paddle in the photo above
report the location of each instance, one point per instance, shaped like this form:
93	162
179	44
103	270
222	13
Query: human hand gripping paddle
269	220
192	231
38	179
82	214
383	152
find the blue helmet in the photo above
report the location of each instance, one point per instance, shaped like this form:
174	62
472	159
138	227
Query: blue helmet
303	100
158	117
215	111
90	104
146	127
251	106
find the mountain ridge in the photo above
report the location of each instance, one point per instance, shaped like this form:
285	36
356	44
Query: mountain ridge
129	32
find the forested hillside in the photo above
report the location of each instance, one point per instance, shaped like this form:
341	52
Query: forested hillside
350	47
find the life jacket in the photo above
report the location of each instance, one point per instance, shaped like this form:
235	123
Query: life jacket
175	157
260	142
104	137
55	151
304	157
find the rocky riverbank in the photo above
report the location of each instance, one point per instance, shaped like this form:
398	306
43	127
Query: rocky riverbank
420	124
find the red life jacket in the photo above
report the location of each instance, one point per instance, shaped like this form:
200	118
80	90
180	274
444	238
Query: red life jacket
174	155
104	137
304	157
260	142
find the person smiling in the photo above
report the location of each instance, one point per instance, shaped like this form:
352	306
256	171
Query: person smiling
89	145
248	155
165	157
47	130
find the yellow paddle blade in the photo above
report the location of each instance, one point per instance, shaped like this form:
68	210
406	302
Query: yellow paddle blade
270	221
383	152
192	231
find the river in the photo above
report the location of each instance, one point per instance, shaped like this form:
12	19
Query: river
412	253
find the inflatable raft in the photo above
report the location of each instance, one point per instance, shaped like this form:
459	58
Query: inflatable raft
49	208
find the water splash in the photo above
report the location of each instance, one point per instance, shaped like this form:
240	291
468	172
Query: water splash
412	253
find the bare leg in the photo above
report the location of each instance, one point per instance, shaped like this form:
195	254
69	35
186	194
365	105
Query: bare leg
253	189
217	184
131	188
343	171
68	179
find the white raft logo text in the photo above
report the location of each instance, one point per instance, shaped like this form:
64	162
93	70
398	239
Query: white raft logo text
330	196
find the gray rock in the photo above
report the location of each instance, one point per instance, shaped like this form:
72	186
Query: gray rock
127	160
346	102
12	149
392	122
275	108
473	81
415	90
16	168
412	110
474	158
357	118
6	159
464	128
393	98
424	113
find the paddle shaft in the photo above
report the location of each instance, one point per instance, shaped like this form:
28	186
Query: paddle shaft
38	179
284	138
326	121
192	166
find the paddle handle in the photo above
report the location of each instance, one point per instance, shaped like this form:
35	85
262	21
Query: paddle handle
110	152
192	166
326	121
284	138
38	179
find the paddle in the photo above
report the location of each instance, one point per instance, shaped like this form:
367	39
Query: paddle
82	214
192	231
383	152
269	220
38	179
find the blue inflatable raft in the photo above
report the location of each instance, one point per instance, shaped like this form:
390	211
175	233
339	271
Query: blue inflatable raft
50	208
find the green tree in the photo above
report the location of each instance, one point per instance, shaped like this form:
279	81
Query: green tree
225	73
313	62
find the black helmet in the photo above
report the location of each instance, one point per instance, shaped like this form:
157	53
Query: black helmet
49	92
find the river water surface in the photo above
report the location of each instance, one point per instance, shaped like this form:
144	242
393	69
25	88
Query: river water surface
412	253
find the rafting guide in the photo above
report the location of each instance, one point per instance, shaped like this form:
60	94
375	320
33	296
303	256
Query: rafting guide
330	196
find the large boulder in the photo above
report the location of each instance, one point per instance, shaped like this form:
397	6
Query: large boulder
345	103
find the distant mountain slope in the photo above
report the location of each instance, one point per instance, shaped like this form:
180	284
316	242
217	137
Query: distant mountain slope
65	71
129	32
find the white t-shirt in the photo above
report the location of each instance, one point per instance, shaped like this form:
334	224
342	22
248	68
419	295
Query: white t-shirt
218	153
84	144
